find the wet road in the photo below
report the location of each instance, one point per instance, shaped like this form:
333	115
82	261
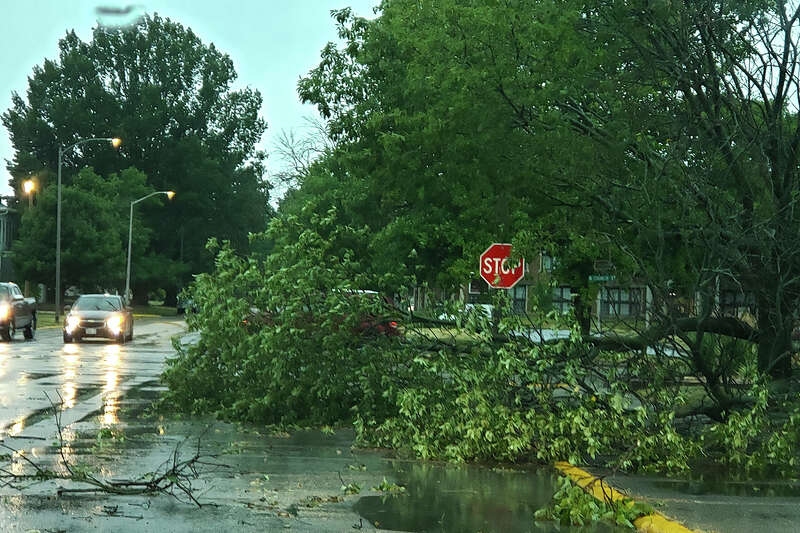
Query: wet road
268	481
90	377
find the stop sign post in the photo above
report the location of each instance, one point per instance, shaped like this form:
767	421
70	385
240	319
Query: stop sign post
496	268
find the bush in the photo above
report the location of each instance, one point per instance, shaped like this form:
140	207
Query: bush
156	295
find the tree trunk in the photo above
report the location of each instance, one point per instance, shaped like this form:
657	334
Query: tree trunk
140	291
775	341
583	314
171	299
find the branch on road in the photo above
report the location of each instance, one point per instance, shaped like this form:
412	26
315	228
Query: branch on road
173	477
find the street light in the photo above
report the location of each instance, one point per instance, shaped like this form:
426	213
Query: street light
115	142
169	194
28	187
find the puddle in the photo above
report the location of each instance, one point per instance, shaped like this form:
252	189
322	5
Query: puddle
465	498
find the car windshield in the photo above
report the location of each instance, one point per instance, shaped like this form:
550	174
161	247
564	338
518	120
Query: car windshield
97	303
5	294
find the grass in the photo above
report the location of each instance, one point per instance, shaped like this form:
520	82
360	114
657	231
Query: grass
159	310
46	319
425	335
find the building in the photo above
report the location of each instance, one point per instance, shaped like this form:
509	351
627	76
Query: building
9	222
615	302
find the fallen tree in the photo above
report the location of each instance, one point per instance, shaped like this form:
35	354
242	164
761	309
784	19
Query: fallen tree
670	397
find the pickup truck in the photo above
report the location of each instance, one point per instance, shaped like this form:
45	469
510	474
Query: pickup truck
16	312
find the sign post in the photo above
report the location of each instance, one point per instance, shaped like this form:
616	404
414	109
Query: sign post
496	268
600	278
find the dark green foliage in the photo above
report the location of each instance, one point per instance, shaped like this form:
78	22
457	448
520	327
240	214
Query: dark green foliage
296	360
569	127
94	234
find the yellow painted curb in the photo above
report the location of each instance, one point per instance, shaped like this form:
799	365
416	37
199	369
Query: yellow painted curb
652	523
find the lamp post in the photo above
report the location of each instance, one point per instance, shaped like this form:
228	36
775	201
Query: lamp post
28	187
115	142
169	194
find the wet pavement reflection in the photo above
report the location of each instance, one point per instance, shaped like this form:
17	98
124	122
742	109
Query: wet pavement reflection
465	498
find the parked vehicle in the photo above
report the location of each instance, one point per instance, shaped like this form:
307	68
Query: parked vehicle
16	312
184	304
98	315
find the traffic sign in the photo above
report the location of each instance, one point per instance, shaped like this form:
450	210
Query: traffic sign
602	277
496	268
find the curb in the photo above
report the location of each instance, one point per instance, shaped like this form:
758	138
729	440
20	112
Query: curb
652	523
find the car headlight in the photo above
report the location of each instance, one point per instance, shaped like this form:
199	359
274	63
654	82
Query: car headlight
73	322
114	323
5	309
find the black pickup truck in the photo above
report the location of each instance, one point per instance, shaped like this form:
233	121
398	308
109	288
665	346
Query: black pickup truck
16	312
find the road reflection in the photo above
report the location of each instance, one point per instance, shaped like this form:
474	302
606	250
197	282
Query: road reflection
66	452
17	427
111	390
70	356
3	358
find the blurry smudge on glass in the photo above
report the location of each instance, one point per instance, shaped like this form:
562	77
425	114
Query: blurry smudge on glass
114	17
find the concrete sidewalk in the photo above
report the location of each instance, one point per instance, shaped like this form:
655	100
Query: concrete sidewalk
724	507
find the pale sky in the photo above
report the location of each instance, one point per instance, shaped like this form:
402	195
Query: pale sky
272	43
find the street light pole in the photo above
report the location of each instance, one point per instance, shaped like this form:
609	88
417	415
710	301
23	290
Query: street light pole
58	239
29	187
115	142
169	194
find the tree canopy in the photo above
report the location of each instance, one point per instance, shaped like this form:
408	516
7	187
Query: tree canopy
659	135
170	97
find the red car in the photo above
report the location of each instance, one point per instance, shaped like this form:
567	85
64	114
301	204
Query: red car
378	325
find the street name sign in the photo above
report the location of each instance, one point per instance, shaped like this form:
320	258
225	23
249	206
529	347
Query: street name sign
496	268
602	277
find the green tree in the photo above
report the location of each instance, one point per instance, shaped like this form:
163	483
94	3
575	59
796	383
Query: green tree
94	231
697	101
470	121
169	97
420	159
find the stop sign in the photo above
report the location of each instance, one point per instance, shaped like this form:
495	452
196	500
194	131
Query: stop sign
496	267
